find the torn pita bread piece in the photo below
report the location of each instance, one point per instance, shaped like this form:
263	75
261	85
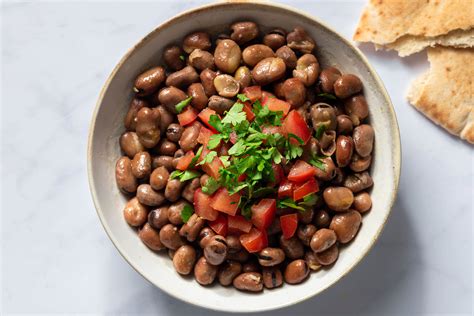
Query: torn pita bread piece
409	26
445	94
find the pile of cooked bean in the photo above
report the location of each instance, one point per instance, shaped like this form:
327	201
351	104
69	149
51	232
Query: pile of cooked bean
168	120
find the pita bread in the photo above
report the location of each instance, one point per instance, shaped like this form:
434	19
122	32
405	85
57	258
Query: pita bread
445	93
384	22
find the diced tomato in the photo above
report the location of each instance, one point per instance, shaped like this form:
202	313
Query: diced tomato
220	225
205	116
253	93
248	112
295	124
233	137
285	189
242	177
212	168
254	241
202	205
224	202
271	129
224	149
310	186
204	135
266	95
263	213
188	116
275	104
183	162
278	174
238	224
301	171
289	223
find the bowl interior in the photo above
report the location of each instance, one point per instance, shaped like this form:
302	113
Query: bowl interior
104	150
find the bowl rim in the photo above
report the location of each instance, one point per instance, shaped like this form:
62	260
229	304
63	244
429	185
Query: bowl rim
395	133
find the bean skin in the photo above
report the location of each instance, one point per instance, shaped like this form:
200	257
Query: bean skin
207	80
272	277
363	139
191	229
338	198
182	78
124	177
249	281
243	32
170	237
196	40
287	55
148	127
307	69
173	190
171	57
268	70
166	147
312	261
174	132
200	59
130	121
159	178
292	247
344	124
327	173
199	98
362	202
147	196
141	165
269	257
190	188
233	244
296	271
216	250
205	236
130	144
135	213
243	76
251	266
344	150
169	97
358	181
275	39
359	164
299	40
149	81
321	219
306	216
174	212
327	78
158	217
329	256
255	53
184	259
346	225
323	239
204	273
166	118
357	109
347	85
150	237
188	140
241	256
305	233
227	56
294	92
228	271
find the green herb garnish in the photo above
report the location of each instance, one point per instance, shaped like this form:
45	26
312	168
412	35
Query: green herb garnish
242	97
318	162
181	105
184	175
310	200
211	186
289	203
182	57
208	158
186	213
327	96
320	131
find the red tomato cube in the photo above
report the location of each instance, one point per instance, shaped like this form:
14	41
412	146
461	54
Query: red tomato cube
285	189
263	213
278	173
212	168
205	116
204	135
275	104
238	224
308	187
295	124
301	171
253	93
248	112
224	202
219	225
188	116
183	162
254	241
202	206
289	223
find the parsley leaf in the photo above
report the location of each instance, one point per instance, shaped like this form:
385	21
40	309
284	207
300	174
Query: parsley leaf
318	162
242	97
195	158
309	200
238	148
186	213
184	175
327	96
181	105
216	122
225	161
289	203
182	57
211	186
320	131
214	141
235	115
208	158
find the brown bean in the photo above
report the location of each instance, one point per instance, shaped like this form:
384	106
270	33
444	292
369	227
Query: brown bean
226	86
130	144
205	236
243	32
148	127
358	181
170	96
305	233
182	78
170	237
166	147
300	40
188	140
159	178
135	213
306	216
241	256
323	114
197	40
347	85
328	143
311	149
220	104
346	225
363	139
275	38
191	229
251	266
272	277
190	188
147	196
227	56
312	261
288	56
362	202
296	271
253	54
215	250
200	59
207	79
171	253
199	97
158	217
162	161
184	259
203	179
294	92
150	237
344	124
243	76
329	256
292	247
174	132
338	198
172	55
149	81
323	239
249	281
228	271
124	177
327	172
357	109
130	121
173	190
339	176
321	219
344	149
327	78
166	118
269	257
174	212
204	273
307	69
233	244
141	165
268	70
359	164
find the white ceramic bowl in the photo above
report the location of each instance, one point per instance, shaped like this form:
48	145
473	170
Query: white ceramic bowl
107	125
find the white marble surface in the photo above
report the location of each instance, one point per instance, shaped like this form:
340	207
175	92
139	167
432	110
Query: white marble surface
55	256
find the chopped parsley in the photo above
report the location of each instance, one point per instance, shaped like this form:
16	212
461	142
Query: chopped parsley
318	162
182	57
184	175
186	213
181	105
320	131
327	96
